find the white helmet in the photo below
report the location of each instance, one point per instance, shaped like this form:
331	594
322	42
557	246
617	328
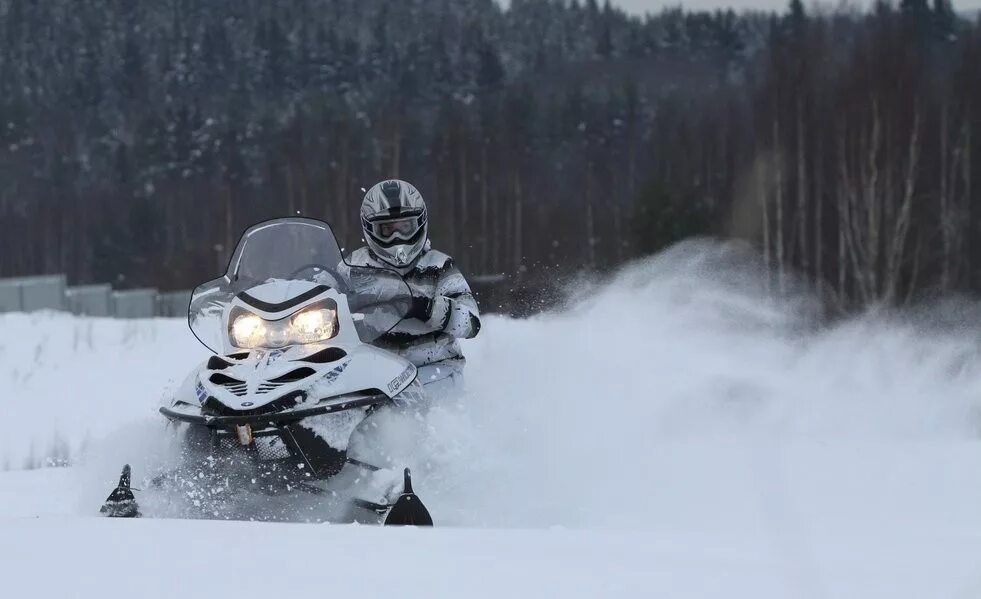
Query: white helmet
393	215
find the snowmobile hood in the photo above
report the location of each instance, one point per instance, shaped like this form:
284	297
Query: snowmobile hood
269	381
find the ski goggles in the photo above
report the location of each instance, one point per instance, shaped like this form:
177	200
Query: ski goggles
390	229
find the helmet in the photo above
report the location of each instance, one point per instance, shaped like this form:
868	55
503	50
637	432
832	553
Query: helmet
393	216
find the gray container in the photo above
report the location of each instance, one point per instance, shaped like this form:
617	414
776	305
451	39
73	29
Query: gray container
89	300
43	293
10	295
173	304
134	303
29	294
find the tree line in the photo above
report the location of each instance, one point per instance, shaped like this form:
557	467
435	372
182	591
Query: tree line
137	140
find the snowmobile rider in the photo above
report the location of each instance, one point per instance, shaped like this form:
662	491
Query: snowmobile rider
396	233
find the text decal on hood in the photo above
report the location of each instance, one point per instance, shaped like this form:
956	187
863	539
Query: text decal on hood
401	379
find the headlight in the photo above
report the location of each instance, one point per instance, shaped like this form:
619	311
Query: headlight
248	331
314	323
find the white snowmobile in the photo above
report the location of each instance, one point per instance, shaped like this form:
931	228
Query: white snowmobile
291	325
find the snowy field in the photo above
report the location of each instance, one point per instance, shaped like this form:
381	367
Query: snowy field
671	433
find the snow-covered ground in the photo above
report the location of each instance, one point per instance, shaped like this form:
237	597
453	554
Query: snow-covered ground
671	433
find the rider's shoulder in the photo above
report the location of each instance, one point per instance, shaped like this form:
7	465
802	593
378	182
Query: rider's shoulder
434	260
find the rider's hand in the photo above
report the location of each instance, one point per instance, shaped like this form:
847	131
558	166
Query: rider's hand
422	308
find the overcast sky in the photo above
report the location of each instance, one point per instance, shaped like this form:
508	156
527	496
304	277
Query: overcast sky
642	6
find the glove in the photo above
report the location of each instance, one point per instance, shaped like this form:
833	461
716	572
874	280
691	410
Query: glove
422	308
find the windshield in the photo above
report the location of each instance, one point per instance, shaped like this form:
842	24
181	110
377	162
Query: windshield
297	252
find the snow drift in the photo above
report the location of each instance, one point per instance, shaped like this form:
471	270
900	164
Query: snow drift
677	373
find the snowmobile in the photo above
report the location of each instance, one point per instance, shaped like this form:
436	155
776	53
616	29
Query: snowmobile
293	378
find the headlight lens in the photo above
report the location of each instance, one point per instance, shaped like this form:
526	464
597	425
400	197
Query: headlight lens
310	325
314	324
248	331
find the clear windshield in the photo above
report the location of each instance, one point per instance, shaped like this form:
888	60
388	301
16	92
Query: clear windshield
300	251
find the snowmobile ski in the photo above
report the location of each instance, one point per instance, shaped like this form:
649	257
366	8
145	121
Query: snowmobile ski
408	509
121	503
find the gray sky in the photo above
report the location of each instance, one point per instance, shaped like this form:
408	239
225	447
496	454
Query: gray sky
643	6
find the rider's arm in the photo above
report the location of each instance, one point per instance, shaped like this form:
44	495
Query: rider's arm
454	308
